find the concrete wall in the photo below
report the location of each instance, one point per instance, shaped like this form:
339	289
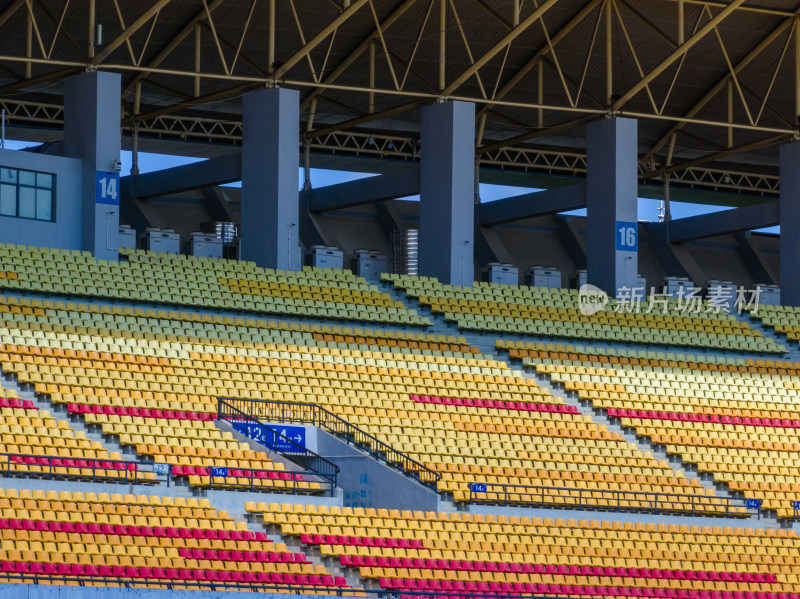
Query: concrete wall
66	231
230	501
368	483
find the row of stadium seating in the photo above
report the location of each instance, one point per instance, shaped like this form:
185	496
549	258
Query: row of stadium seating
782	319
462	552
223	284
98	537
236	285
465	415
739	422
34	443
556	312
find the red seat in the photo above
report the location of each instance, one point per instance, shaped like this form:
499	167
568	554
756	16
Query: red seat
91	570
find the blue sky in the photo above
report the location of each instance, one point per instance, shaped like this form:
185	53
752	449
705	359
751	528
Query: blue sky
648	209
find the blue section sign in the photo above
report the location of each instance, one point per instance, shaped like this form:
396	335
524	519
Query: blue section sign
107	188
297	434
218	471
796	505
161	468
478	487
627	236
754	503
272	436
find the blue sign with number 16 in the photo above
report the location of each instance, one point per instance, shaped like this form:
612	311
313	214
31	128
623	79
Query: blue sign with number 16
627	236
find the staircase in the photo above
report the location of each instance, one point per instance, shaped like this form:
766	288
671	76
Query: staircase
59	411
292	542
441	326
657	451
238	414
247	414
793	348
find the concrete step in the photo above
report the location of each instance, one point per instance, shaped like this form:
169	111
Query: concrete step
59	411
292	542
792	347
600	416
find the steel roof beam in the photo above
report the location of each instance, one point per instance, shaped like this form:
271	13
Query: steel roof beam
736	220
109	48
207	173
678	53
320	37
741	65
543	51
529	205
398	184
501	45
174	43
359	50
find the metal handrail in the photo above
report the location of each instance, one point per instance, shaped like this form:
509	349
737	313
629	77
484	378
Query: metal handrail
619	501
94	468
287	411
258	431
257	478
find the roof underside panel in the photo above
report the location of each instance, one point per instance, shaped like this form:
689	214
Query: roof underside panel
369	65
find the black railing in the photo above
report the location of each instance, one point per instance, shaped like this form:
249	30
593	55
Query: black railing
616	501
297	483
253	428
300	413
91	469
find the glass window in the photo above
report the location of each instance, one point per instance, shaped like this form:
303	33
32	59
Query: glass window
44	204
8	200
27	178
27	194
43	180
26	202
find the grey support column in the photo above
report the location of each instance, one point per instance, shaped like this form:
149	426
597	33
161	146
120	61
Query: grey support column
271	178
92	133
447	188
612	204
790	224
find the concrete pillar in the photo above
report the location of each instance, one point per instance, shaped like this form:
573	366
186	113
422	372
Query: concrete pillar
612	204
270	178
447	188
790	224
92	134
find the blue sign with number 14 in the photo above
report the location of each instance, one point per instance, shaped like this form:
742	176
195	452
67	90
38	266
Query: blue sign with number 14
107	188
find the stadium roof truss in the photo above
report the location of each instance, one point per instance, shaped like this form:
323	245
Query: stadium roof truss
715	85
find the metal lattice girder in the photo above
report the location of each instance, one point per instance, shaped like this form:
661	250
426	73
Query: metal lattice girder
404	148
656	61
